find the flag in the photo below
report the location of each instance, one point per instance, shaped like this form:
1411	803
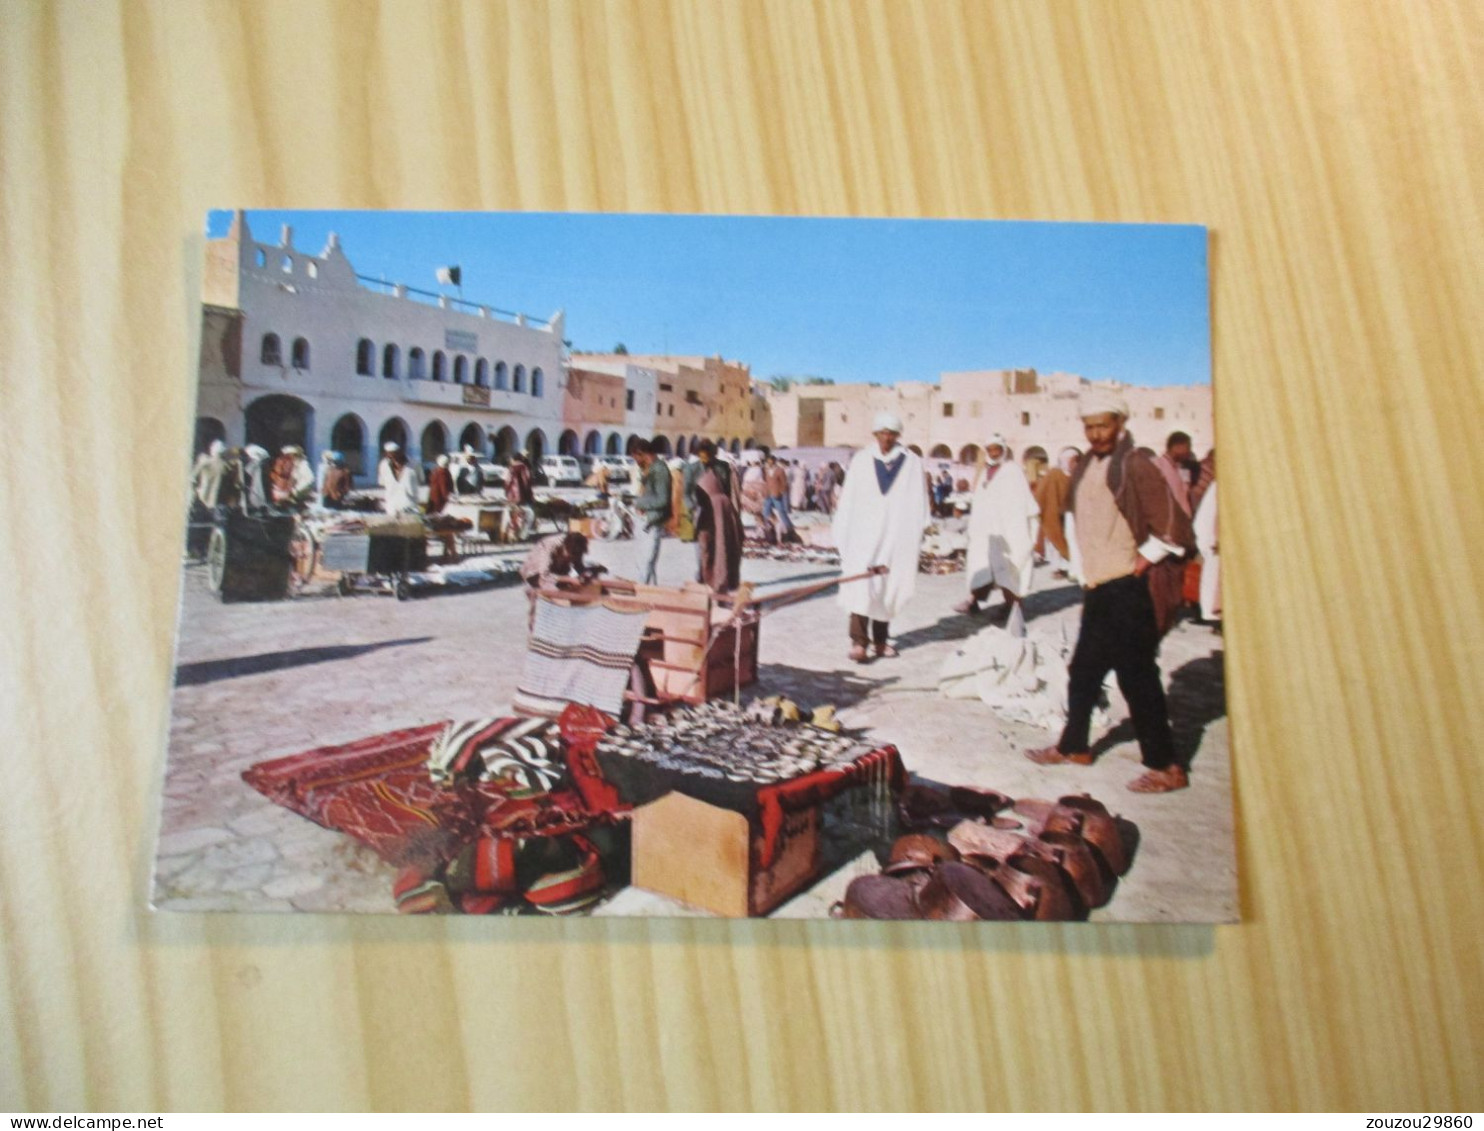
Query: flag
450	276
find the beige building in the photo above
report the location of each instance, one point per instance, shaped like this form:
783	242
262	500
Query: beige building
695	398
952	419
593	412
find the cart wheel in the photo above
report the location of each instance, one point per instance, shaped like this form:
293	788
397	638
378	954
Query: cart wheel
403	590
216	559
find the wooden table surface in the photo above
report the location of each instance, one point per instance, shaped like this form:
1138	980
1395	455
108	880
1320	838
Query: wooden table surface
1336	150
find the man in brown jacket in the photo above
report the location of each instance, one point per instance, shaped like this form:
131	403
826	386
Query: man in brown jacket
1133	539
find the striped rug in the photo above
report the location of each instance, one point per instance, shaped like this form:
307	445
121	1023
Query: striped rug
578	654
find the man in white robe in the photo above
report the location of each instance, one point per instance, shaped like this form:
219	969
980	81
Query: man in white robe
798	486
255	461
879	520
400	481
1003	519
210	480
1206	542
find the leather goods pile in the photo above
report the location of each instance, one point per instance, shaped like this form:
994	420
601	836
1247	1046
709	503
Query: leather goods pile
966	859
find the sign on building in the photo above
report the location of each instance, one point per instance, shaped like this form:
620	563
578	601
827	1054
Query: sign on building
476	394
466	341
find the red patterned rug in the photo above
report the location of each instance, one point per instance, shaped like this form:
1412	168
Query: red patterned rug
459	843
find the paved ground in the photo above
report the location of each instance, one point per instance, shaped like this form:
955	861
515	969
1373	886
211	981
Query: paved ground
264	680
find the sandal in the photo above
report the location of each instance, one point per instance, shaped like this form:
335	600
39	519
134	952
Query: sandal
1161	781
969	608
858	654
886	652
1051	756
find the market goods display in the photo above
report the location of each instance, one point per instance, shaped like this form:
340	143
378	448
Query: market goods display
1062	862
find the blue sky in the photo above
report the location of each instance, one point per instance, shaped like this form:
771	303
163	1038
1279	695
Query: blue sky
852	300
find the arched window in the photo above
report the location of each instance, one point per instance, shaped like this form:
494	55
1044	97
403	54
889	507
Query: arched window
313	268
415	364
460	369
389	362
537	382
506	442
434	441
260	258
301	354
502	376
365	358
519	384
287	265
348	437
482	373
272	350
440	366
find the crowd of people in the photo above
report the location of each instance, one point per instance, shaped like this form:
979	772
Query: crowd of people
1136	529
1132	527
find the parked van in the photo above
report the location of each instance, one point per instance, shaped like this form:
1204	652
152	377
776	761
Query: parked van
561	471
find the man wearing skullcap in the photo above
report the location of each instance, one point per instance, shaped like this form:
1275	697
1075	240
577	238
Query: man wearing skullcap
255	477
385	477
400	481
1133	539
879	521
337	484
215	483
290	479
440	486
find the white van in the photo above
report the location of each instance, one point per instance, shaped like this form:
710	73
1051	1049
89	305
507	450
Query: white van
562	471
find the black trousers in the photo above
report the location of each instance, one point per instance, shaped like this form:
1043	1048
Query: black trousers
1119	634
859	631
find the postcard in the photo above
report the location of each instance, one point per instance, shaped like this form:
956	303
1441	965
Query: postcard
604	565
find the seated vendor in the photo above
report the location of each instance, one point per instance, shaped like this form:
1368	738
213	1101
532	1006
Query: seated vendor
556	559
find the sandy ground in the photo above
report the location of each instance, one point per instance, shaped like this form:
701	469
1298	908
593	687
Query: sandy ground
261	681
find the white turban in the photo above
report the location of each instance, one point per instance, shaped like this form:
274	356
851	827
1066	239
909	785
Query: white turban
1096	401
442	461
887	422
1067	458
255	453
216	448
291	450
997	440
390	447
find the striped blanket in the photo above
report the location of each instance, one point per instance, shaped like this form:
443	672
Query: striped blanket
522	755
578	654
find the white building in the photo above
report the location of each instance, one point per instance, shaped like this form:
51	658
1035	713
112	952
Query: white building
297	348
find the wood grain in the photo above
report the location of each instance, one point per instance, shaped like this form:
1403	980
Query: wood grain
1336	149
